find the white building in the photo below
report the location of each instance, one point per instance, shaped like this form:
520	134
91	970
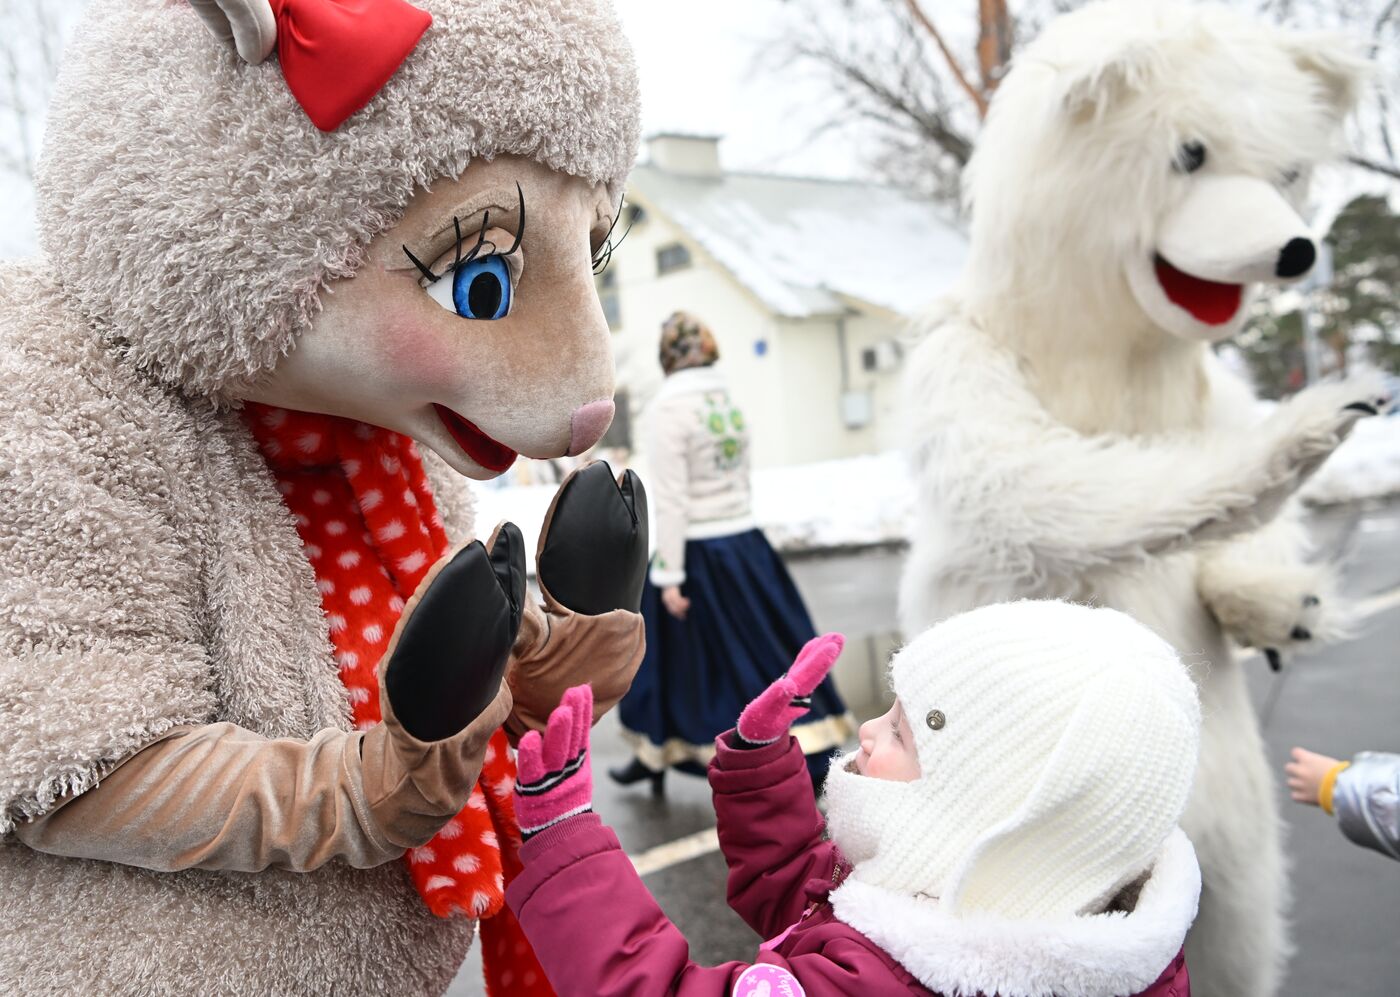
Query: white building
807	285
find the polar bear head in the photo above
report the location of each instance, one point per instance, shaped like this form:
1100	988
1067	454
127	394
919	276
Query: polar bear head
1145	164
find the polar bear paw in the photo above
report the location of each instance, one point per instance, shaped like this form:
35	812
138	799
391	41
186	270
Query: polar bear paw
1272	606
1304	431
1309	426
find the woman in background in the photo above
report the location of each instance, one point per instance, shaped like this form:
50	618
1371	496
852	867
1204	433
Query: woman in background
723	618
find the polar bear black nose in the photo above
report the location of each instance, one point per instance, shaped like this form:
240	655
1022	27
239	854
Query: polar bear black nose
1296	259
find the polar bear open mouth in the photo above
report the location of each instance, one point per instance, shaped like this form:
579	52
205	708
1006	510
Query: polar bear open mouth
1208	301
479	447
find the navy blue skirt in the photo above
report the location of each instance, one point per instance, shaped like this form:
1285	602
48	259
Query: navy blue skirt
745	625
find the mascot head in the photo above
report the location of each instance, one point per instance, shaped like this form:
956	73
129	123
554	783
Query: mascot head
1146	163
392	220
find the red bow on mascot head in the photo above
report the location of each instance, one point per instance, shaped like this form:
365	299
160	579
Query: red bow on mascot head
335	54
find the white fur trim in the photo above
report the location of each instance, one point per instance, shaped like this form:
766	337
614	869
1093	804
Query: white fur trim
1100	955
710	529
666	577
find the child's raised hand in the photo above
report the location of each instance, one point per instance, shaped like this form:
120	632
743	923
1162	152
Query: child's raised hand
1305	774
553	777
769	716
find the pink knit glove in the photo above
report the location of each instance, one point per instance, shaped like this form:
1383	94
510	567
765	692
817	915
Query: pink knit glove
769	716
553	778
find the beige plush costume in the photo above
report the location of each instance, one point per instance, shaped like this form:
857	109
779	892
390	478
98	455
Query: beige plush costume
151	580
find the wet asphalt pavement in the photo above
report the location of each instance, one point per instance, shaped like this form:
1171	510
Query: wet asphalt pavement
1339	700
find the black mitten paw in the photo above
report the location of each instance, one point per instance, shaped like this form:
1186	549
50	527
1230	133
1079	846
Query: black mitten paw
594	556
451	646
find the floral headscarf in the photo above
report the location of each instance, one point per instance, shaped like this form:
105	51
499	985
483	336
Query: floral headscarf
686	342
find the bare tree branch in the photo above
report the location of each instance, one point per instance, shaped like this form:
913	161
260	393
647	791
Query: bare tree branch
1386	16
32	34
978	99
1385	169
993	42
931	124
903	89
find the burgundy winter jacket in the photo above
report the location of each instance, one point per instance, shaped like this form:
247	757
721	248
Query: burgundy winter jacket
598	932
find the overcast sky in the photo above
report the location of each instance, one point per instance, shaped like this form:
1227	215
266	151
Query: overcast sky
704	68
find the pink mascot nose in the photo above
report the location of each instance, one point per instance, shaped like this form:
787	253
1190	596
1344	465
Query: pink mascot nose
588	424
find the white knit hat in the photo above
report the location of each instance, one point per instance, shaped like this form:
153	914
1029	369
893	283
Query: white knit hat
1056	744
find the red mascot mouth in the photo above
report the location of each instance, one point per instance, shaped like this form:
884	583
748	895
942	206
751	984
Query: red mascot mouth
1207	301
479	447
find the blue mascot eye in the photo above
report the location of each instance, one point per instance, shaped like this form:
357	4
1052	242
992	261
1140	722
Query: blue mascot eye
478	289
481	288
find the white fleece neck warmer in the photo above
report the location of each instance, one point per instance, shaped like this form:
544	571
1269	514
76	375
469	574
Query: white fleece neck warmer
862	813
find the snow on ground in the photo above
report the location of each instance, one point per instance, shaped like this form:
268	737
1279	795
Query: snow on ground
1366	466
856	502
863	501
523	505
836	503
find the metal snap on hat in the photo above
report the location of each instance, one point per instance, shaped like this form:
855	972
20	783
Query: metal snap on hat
935	719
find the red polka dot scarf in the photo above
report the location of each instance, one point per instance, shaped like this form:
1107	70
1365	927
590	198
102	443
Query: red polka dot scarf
367	521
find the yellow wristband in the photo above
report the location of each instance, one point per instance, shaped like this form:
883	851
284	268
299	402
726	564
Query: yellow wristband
1324	791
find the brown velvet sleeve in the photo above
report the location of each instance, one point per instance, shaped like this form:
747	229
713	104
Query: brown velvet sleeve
221	797
557	649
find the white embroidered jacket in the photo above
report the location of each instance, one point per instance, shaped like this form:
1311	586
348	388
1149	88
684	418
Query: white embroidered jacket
697	447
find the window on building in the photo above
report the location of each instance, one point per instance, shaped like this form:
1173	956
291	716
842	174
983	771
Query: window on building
671	258
610	296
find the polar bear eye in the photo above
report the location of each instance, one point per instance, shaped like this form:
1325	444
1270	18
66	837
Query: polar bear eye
478	288
1189	158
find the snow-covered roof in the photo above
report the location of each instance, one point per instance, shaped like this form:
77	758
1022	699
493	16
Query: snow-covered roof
804	247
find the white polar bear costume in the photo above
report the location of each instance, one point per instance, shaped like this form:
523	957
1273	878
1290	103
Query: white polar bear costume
1074	437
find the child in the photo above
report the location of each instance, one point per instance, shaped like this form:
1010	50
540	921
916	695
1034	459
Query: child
1364	793
1008	827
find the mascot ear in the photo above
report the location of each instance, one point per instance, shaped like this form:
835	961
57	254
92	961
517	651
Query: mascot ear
249	24
1336	61
1092	88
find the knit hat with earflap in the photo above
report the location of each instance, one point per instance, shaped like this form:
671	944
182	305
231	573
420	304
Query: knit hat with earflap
1057	745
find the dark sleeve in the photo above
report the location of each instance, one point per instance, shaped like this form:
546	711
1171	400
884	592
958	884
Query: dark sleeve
598	932
769	830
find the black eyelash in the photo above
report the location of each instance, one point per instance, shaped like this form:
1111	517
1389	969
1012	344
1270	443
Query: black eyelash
604	255
458	260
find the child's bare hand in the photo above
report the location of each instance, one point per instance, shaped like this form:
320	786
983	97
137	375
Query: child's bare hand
1305	774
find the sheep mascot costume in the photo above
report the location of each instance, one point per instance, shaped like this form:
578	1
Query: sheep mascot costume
1073	436
287	243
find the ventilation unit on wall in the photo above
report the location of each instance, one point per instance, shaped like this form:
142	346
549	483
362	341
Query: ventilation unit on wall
856	409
